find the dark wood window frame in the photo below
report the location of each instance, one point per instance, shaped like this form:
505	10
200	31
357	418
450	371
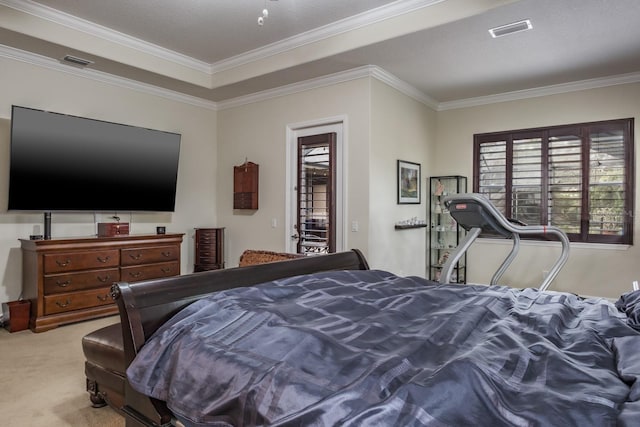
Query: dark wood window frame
576	150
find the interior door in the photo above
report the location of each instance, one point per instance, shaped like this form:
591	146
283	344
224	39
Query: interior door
316	194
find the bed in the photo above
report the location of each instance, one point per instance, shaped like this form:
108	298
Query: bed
327	341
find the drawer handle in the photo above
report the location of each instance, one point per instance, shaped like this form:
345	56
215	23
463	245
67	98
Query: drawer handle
104	260
135	274
63	263
166	254
166	270
63	284
104	279
137	256
63	304
103	298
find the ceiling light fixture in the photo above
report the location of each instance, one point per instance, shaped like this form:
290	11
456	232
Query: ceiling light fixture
265	14
512	28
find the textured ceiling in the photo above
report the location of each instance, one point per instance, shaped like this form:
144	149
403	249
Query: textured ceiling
215	50
212	30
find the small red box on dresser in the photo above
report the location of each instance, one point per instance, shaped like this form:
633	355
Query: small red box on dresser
111	229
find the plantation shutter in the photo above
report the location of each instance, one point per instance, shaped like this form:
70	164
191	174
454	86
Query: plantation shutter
493	172
606	181
575	177
526	181
565	198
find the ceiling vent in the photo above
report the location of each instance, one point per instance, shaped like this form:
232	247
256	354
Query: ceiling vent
512	28
79	62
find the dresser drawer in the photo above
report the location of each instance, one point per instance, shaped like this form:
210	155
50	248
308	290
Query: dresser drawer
208	245
60	303
57	283
208	260
151	271
206	237
69	280
206	252
137	256
72	261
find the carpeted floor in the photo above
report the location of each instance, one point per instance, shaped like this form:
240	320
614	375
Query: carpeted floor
43	382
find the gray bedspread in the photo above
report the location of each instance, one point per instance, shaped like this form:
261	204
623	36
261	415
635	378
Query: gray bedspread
368	348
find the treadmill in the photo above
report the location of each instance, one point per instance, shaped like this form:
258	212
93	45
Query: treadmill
476	214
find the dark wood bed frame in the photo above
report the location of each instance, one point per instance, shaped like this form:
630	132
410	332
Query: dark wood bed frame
144	306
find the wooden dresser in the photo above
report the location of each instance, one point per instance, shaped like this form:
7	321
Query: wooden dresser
68	280
209	249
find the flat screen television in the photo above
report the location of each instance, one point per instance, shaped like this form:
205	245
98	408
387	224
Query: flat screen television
60	162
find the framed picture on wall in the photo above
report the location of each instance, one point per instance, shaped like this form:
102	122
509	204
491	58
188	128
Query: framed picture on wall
408	182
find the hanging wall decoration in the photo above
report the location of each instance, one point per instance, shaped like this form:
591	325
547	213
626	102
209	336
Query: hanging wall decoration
408	182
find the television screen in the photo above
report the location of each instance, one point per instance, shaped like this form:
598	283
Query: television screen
60	162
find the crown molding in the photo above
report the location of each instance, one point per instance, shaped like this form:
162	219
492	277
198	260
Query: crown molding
341	77
328	80
100	76
541	91
404	87
88	27
356	73
332	79
388	11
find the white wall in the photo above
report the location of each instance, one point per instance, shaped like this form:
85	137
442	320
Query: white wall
48	88
401	129
597	270
382	125
258	132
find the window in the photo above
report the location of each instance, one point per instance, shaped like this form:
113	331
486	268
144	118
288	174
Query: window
578	177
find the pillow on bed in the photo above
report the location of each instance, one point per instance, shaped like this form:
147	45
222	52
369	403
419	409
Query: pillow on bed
629	304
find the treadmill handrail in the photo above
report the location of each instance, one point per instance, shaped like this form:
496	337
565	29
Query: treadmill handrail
510	228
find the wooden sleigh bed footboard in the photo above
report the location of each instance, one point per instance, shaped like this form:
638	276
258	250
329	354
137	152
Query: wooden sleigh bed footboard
145	306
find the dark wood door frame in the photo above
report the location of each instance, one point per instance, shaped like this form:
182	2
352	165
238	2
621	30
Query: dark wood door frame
316	234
